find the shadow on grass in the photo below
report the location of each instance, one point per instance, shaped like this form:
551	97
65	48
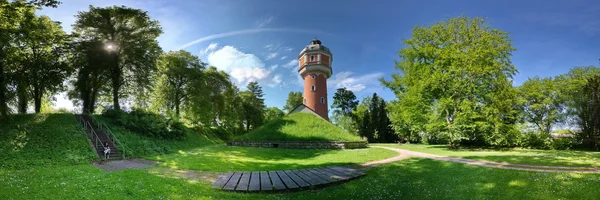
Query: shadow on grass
429	179
229	158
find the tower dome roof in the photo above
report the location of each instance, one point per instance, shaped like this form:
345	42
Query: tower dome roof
316	45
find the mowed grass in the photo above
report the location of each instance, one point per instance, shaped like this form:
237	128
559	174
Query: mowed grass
408	179
299	127
43	140
516	156
137	145
221	158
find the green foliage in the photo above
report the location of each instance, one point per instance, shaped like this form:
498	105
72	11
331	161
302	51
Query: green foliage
139	144
372	122
132	54
456	75
344	102
294	99
174	80
542	103
148	124
253	106
272	114
589	113
299	127
35	140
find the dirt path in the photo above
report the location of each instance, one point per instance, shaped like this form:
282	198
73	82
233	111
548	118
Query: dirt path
502	165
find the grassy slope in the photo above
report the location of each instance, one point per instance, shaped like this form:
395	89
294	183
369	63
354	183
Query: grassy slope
517	156
299	126
142	146
409	179
227	158
43	140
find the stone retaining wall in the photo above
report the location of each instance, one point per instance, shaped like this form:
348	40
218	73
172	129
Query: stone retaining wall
300	144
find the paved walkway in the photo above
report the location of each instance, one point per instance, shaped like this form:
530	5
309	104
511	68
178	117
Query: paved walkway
118	165
502	165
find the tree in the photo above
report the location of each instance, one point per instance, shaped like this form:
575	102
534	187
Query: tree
272	114
372	121
589	113
253	106
43	65
294	99
344	102
455	70
130	38
542	103
176	70
89	61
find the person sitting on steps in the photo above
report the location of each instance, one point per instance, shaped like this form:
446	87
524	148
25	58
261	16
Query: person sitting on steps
106	151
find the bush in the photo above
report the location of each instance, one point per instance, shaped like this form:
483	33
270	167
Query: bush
562	143
148	124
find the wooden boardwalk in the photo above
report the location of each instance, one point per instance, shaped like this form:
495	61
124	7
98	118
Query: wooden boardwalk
284	179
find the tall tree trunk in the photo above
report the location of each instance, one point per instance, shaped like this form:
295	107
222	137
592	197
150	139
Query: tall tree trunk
22	97
116	83
37	98
3	99
92	100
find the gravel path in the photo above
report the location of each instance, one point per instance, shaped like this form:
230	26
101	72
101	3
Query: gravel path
503	165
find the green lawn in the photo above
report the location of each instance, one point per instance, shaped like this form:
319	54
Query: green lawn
141	146
408	179
229	158
43	140
517	156
299	127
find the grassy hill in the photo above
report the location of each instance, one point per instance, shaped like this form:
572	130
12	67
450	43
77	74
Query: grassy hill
138	145
31	140
299	127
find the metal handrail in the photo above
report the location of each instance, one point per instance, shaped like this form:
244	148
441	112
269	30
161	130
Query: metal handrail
111	135
92	133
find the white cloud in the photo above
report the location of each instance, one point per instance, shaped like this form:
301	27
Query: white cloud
283	57
354	83
289	48
210	48
249	31
271	56
243	67
273	67
291	64
264	21
275	81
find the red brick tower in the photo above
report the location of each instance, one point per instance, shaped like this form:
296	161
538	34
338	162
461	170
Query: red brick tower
315	68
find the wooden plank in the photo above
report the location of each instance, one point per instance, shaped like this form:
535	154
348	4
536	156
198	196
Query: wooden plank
287	180
341	170
222	180
254	182
322	175
277	183
265	181
233	181
313	179
335	174
306	178
351	172
296	179
244	181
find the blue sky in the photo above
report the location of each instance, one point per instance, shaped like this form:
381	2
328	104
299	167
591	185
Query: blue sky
260	39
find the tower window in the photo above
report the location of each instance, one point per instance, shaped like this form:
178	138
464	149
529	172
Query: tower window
304	100
322	100
312	58
312	76
313	88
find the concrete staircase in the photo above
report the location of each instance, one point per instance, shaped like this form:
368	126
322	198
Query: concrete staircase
98	137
